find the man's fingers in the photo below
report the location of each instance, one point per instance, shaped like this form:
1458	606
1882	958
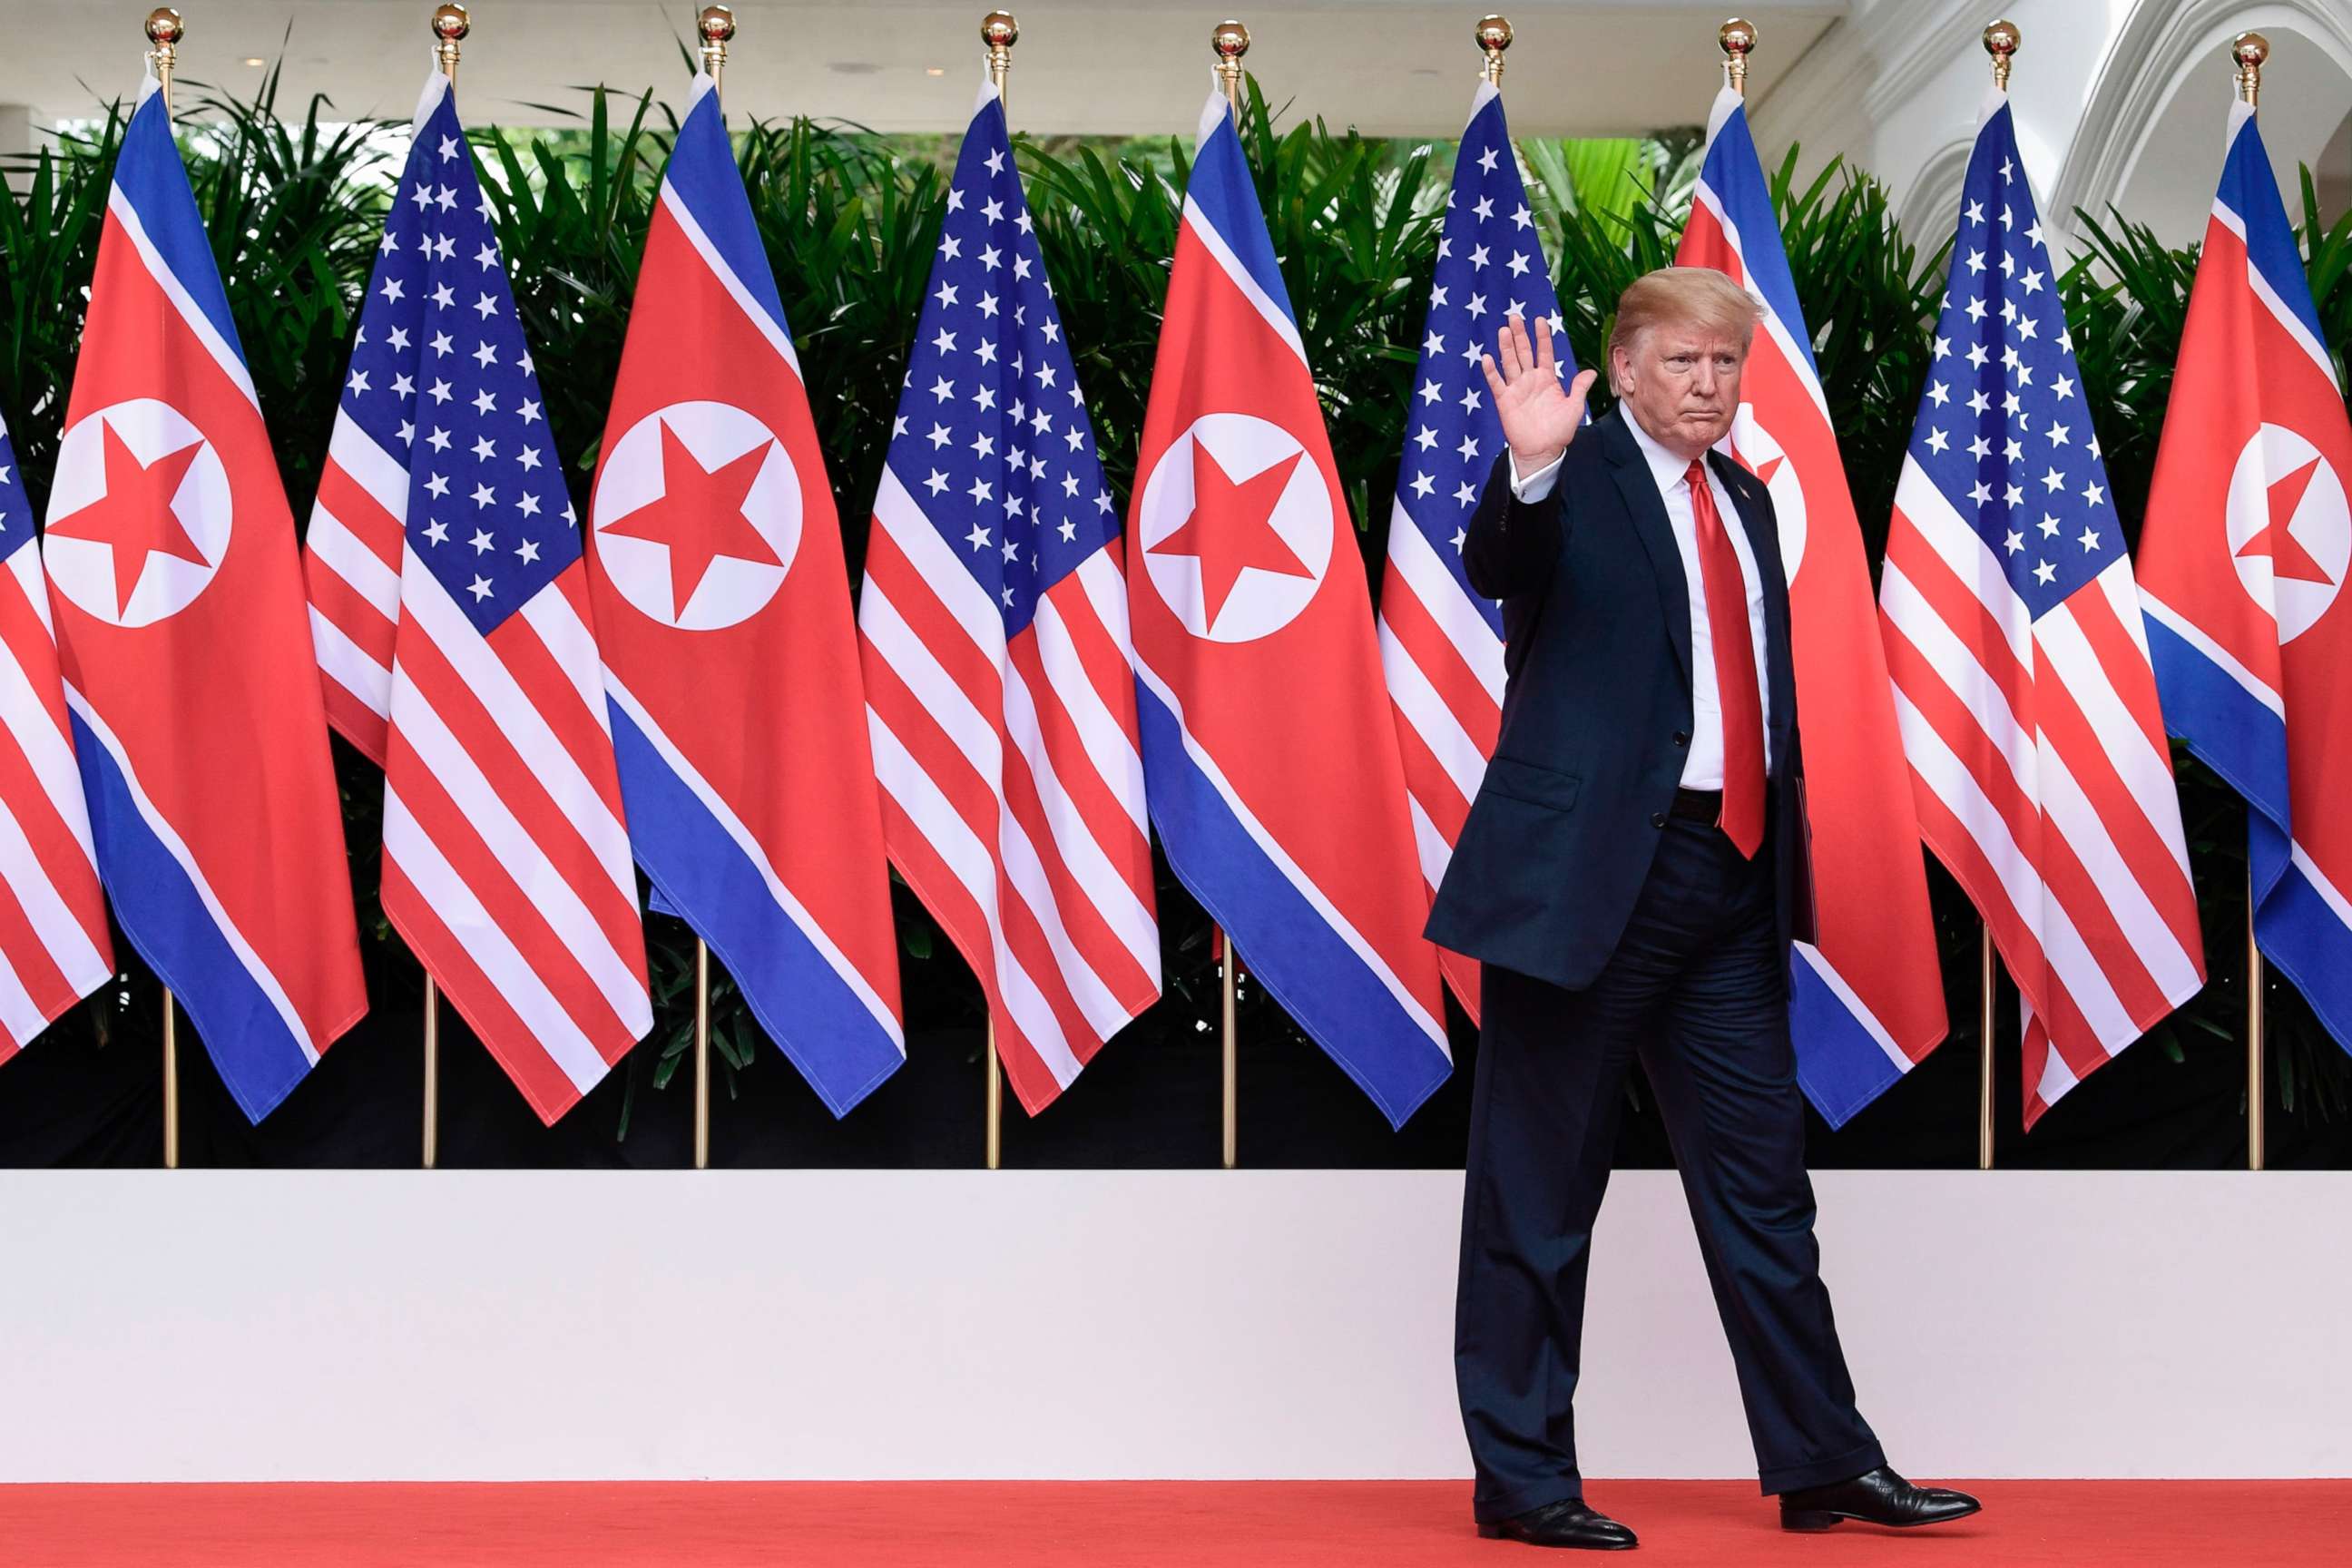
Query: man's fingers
1494	381
1543	354
1578	390
1519	335
1508	352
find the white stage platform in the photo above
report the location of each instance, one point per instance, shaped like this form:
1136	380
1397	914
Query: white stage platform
205	1325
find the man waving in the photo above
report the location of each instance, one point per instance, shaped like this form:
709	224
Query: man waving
1630	875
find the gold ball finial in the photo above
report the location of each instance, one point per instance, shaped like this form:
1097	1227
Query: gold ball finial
450	24
1736	39
1231	41
165	28
2250	51
716	24
1000	30
1493	36
2001	39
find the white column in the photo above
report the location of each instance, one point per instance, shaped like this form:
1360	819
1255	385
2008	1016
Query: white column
15	130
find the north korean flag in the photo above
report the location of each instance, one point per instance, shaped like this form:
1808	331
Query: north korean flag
185	649
722	610
1867	1000
1270	752
2242	566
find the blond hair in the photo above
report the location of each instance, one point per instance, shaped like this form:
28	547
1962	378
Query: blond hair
1697	296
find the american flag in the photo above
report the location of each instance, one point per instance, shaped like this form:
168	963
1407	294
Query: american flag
2021	666
449	608
54	948
1441	644
999	678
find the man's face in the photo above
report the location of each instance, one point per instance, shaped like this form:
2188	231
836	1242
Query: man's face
1683	383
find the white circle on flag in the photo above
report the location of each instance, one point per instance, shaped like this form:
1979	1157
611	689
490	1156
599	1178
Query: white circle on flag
1756	449
146	443
2283	482
1252	600
636	475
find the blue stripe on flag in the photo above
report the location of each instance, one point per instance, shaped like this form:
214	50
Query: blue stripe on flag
702	172
2251	190
155	183
699	871
1843	1066
1221	187
1303	962
2299	932
2228	730
1736	174
159	910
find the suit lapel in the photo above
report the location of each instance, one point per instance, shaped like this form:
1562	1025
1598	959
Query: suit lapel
1648	509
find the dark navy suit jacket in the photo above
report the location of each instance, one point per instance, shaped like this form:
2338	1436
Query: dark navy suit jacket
1597	712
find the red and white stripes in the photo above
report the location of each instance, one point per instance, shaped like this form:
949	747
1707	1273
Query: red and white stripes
54	947
506	859
1012	790
2045	782
1443	665
351	559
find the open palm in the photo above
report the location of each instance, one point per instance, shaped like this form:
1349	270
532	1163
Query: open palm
1539	416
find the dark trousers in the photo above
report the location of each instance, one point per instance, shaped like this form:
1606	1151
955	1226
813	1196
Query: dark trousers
1700	987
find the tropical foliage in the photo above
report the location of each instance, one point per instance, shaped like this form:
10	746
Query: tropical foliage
293	207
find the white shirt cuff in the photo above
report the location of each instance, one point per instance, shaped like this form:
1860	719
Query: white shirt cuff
1535	485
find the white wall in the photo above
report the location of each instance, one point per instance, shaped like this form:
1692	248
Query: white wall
2116	101
496	1325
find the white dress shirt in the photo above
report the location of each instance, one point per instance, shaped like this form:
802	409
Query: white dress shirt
1703	768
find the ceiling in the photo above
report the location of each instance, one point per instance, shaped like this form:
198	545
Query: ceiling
1108	67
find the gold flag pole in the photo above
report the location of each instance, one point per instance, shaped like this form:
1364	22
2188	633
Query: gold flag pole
1987	972
432	1144
2248	51
715	28
1737	39
2001	41
999	31
1229	40
2256	978
450	26
164	31
1493	36
995	1102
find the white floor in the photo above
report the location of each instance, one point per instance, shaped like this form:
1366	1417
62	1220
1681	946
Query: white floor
496	1325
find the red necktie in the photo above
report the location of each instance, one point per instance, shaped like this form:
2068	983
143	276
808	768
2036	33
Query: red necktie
1735	670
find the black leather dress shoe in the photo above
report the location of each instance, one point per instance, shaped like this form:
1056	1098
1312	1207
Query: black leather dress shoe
1566	1523
1880	1497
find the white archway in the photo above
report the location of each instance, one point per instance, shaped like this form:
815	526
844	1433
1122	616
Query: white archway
1931	203
2149	141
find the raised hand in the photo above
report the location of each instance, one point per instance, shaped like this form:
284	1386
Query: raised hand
1539	416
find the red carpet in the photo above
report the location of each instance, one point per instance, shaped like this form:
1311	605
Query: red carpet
1162	1524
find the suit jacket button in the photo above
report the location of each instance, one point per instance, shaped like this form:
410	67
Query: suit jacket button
1682	737
1658	819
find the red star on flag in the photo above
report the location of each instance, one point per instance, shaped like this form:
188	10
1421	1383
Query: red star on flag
700	516
135	517
2289	559
1230	529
